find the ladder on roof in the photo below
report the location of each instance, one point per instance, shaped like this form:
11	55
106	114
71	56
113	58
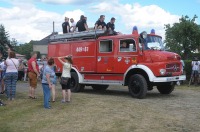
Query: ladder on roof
91	34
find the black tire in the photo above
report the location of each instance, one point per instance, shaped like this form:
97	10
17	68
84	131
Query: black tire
137	86
166	88
75	85
100	87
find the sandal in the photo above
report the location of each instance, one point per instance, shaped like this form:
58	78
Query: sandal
34	98
2	92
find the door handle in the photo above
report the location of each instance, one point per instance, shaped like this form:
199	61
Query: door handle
119	59
99	58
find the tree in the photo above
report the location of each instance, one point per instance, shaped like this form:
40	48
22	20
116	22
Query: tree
4	42
13	42
183	37
25	49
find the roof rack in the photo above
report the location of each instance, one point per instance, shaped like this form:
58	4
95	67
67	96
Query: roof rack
91	34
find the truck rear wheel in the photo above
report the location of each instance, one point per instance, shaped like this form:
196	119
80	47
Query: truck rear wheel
137	86
75	85
100	87
166	88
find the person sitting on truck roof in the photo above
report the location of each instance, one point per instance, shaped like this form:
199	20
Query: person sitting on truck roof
111	26
65	25
82	24
73	25
100	24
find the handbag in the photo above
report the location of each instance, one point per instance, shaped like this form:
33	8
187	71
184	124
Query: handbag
64	80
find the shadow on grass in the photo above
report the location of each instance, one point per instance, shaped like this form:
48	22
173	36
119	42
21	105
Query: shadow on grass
125	93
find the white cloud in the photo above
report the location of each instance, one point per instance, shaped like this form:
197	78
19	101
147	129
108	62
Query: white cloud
77	2
73	14
66	1
58	2
145	17
30	23
25	22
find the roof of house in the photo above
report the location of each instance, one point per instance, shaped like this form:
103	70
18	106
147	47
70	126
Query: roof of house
19	55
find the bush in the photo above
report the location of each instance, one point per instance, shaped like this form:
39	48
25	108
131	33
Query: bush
188	68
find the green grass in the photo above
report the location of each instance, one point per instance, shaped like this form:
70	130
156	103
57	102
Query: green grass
113	111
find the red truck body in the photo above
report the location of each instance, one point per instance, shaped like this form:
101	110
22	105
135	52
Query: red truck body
100	62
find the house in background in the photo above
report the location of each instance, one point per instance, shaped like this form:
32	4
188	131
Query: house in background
19	56
42	45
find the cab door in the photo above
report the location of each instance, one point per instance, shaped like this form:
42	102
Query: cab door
127	54
105	56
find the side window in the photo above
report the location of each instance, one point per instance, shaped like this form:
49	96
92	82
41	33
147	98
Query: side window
127	45
106	46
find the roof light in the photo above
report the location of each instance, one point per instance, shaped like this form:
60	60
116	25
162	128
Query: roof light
135	30
153	31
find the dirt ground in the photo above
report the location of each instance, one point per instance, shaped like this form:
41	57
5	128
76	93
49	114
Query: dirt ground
112	110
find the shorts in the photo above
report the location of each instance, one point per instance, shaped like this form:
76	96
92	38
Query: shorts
67	86
2	77
54	80
32	79
195	73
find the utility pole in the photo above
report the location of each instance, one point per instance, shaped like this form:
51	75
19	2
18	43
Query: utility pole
53	27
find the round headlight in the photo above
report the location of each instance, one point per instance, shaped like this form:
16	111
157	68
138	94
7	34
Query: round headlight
162	71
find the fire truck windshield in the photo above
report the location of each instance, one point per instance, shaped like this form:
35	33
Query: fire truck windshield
153	42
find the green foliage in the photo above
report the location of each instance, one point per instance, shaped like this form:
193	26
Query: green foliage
183	37
188	68
4	41
13	42
25	49
38	54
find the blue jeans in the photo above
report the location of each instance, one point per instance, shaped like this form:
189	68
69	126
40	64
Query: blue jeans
11	81
46	92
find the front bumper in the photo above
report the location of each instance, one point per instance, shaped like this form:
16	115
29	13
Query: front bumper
169	79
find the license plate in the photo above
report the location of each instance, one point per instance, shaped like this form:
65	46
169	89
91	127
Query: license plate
172	79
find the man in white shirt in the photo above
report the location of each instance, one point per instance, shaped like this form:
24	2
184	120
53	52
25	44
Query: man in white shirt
73	25
195	69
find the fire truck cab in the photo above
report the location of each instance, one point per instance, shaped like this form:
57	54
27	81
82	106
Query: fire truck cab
135	60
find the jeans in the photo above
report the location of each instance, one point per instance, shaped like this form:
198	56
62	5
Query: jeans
46	92
11	81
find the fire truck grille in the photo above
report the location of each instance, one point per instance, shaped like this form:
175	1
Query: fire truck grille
174	67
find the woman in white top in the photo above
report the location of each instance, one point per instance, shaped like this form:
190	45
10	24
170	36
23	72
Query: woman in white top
67	64
11	75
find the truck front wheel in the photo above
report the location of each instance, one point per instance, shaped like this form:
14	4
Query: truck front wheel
166	88
137	86
75	85
100	87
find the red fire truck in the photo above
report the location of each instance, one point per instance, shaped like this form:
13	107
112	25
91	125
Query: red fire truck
135	60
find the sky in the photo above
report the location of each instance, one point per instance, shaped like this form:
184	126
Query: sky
27	20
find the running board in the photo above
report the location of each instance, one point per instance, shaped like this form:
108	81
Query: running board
106	82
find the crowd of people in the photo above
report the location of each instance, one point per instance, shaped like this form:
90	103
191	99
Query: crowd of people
195	74
11	68
81	25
